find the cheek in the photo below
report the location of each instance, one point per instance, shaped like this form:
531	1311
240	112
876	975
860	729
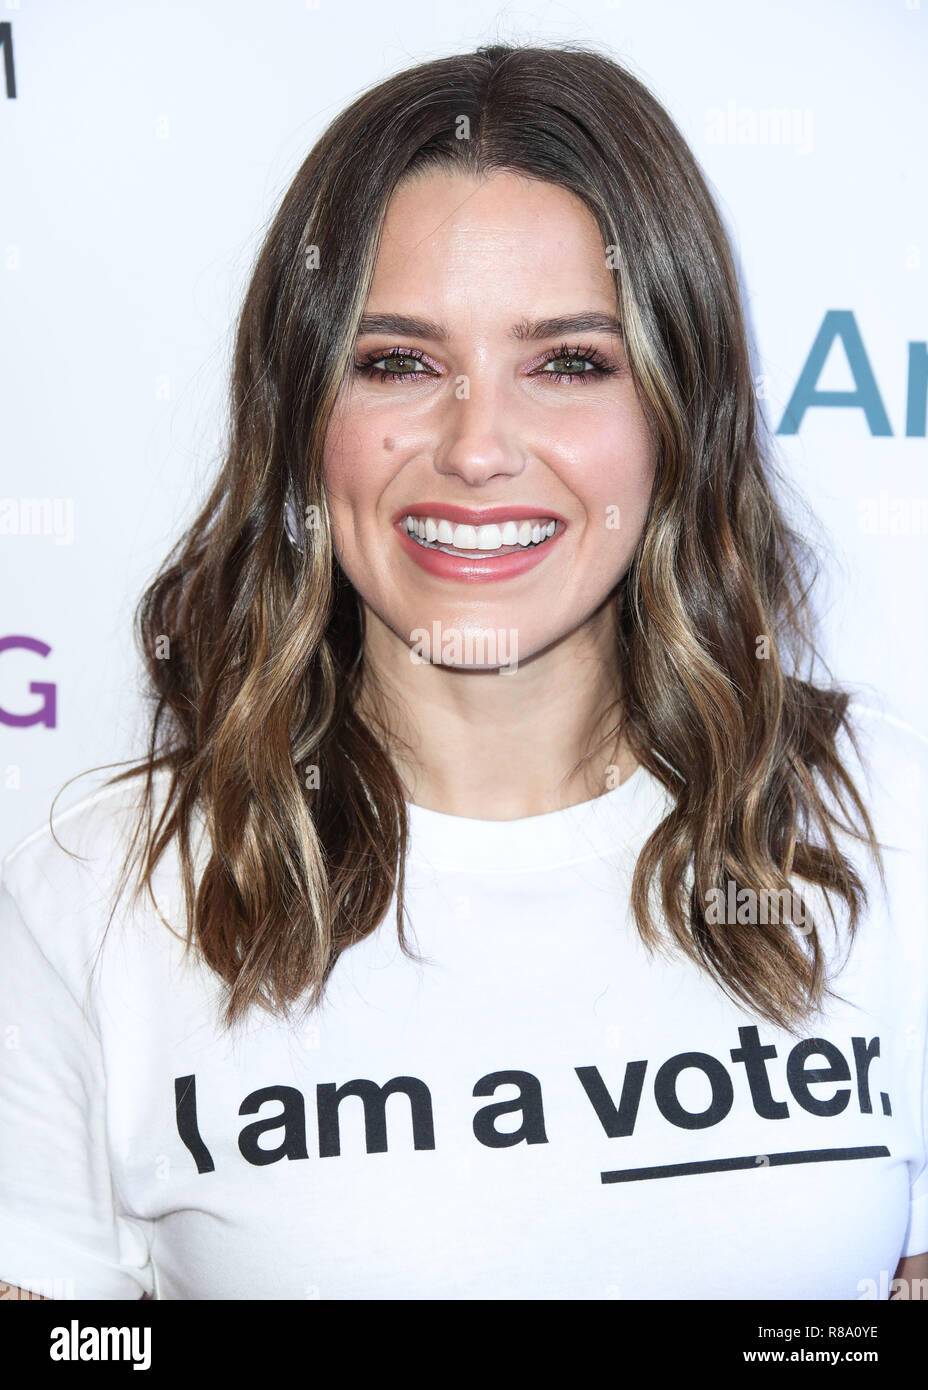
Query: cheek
613	471
358	462
344	448
355	464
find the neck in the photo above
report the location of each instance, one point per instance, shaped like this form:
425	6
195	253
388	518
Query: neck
495	746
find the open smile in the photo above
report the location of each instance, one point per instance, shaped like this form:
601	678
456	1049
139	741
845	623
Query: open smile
458	549
491	540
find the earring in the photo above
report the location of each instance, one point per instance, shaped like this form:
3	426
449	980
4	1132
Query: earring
291	521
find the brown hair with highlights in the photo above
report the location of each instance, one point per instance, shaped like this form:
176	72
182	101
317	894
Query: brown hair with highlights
266	637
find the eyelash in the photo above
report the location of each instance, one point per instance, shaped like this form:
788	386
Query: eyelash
602	367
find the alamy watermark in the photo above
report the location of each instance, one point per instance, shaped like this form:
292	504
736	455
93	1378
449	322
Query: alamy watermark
732	124
38	516
491	647
734	906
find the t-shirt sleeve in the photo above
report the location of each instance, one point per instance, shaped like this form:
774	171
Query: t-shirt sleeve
895	770
916	1242
61	1232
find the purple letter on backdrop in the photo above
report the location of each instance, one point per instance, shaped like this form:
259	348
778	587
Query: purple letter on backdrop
46	712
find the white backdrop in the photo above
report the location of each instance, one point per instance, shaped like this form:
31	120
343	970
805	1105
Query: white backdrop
148	145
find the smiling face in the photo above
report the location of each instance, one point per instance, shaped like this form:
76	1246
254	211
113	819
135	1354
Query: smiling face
485	421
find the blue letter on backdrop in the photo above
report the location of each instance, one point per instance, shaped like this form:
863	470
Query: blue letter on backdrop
837	323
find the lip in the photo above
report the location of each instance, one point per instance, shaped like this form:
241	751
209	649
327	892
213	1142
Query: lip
475	516
466	569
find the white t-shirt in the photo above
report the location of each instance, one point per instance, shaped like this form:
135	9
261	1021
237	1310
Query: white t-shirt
541	1110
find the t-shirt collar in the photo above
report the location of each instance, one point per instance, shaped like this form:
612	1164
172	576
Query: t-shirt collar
556	838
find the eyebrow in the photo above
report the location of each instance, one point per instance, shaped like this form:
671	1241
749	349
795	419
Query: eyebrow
526	330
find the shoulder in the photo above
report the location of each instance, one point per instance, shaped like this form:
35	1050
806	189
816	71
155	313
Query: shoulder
61	881
92	829
887	757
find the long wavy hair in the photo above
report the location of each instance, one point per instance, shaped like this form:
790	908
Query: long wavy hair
253	645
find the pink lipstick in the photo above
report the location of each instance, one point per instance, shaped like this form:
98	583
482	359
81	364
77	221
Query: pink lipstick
473	544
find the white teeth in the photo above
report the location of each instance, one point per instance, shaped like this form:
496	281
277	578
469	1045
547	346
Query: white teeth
465	538
434	531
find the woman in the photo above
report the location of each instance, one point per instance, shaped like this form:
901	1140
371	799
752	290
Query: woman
491	633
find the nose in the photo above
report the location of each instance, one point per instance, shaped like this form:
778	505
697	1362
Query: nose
477	435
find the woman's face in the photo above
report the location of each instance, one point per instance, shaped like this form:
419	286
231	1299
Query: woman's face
486	423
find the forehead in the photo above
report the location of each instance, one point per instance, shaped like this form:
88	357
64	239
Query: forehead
452	236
